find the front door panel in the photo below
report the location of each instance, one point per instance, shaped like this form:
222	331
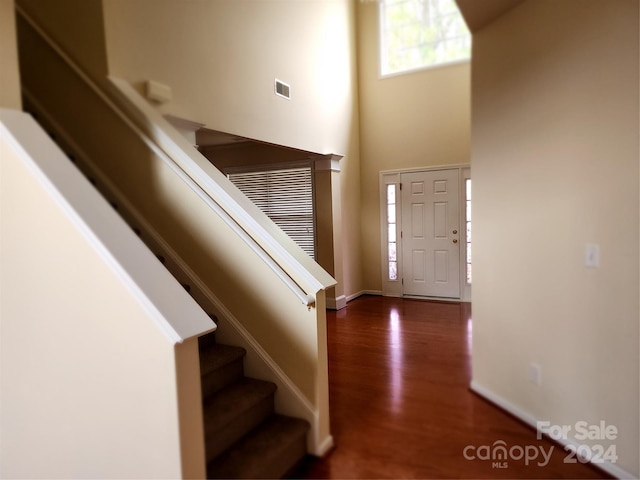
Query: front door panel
430	233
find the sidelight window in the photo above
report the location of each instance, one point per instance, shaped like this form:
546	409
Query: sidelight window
468	226
392	233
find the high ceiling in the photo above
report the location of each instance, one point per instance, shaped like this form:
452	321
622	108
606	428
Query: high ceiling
478	13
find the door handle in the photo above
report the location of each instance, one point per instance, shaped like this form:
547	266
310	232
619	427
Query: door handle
455	240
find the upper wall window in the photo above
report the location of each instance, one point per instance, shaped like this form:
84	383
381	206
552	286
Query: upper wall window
417	34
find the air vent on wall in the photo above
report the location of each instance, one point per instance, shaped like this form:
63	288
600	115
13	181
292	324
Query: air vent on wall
283	90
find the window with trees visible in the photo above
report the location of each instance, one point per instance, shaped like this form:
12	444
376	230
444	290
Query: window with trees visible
418	34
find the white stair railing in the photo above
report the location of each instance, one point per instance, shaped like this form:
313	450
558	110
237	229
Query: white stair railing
300	274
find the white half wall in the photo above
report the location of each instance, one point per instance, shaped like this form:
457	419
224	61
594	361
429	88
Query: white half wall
555	168
90	385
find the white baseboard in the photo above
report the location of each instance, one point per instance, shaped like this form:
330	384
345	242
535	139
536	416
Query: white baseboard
337	303
532	421
433	299
364	292
325	447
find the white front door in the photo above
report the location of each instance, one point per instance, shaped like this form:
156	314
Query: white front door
431	233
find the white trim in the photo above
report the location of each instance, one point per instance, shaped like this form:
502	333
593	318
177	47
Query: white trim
337	303
393	288
430	168
465	288
267	167
187	128
532	421
83	206
454	63
202	188
390	288
183	123
289	398
198	174
328	163
433	299
325	446
353	296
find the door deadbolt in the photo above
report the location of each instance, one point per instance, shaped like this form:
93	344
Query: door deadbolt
455	231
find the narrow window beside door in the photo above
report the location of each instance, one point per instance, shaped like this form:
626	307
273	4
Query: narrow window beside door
468	224
392	242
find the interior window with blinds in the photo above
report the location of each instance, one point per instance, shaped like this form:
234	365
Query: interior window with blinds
286	197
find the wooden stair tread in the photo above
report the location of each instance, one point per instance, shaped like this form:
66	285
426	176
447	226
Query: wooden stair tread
234	400
208	340
218	356
243	436
269	451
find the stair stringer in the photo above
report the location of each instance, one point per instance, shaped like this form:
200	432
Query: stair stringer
289	400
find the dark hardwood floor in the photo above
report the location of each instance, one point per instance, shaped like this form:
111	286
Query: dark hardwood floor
399	374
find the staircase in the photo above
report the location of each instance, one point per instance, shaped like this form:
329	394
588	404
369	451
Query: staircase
244	438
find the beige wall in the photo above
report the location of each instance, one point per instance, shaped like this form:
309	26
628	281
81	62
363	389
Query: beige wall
327	200
221	58
77	25
248	288
88	381
9	74
168	204
407	121
555	166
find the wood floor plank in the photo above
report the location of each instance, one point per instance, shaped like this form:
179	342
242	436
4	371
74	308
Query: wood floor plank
399	373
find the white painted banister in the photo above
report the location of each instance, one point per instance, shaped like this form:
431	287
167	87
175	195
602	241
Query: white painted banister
301	274
230	204
171	308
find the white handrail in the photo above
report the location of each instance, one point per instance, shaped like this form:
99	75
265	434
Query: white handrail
198	179
168	305
129	92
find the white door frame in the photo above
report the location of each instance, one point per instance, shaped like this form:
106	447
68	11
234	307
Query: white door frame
393	287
